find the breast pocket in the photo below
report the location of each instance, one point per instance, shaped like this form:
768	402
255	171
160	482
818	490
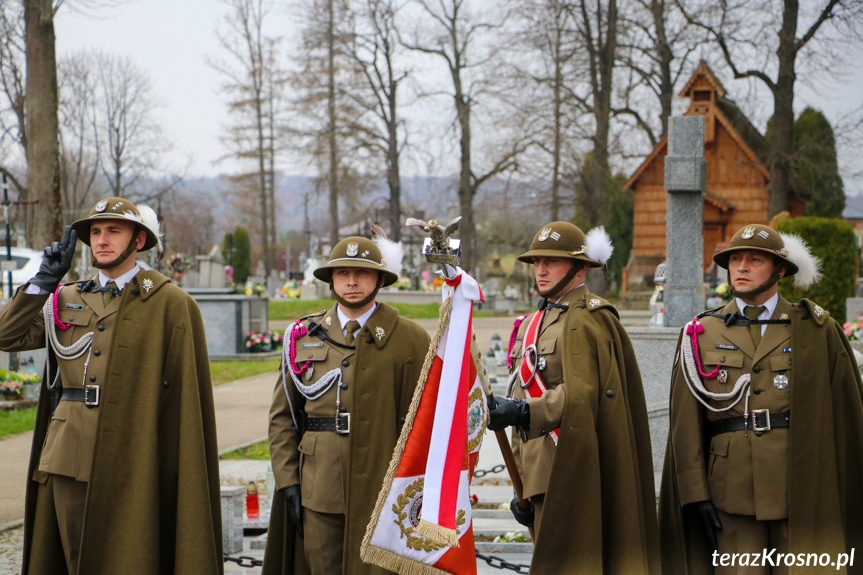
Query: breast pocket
313	358
724	358
307	464
55	431
79	320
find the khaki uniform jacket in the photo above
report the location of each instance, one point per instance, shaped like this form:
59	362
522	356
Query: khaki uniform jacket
599	515
742	473
149	451
343	473
823	447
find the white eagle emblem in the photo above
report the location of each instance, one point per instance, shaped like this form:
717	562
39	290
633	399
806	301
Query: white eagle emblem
353	249
748	233
147	284
100	207
379	333
543	235
595	302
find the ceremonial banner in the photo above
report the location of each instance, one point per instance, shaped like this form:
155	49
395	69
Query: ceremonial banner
422	521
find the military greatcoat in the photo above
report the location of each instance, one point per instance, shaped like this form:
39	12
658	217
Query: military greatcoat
148	452
599	513
802	472
342	473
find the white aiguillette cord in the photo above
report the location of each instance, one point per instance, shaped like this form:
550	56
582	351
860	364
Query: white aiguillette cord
693	379
71	352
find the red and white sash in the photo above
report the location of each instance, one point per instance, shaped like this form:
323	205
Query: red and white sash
529	376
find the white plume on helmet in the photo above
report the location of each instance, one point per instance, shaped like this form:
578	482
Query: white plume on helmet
598	245
392	253
149	220
808	266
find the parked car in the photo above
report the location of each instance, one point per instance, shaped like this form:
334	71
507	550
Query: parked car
26	265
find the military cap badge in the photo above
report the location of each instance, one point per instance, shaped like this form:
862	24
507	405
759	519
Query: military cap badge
748	233
543	235
100	207
353	249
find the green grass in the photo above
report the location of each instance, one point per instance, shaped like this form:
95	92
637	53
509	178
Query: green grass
227	371
16	421
294	309
258	451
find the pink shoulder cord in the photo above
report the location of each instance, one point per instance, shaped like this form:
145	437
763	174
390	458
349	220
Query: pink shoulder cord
692	330
57	322
297	330
512	336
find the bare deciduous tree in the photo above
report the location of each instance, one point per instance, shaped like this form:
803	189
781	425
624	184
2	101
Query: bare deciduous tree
13	135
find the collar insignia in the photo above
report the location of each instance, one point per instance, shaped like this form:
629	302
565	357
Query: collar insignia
379	333
353	249
100	207
748	233
784	316
595	302
543	235
147	284
328	322
819	311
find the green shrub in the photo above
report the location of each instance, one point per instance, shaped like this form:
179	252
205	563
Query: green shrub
834	243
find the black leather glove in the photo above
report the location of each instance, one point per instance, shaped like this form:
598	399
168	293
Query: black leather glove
294	501
56	261
523	516
704	513
505	412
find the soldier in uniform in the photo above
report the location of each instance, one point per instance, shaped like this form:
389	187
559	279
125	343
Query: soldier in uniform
123	473
582	442
766	424
348	377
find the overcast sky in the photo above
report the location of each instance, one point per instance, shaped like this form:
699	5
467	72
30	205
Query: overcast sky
172	38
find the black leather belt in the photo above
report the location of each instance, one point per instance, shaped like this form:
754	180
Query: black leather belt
340	424
91	395
759	421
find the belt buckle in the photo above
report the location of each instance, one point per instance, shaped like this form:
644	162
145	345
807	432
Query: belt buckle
760	428
96	395
347	417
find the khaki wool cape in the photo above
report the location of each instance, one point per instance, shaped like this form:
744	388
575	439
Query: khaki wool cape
825	485
386	368
599	514
153	501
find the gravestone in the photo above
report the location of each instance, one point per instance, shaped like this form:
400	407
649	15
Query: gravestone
685	180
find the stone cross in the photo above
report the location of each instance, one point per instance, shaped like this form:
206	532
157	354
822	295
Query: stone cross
685	181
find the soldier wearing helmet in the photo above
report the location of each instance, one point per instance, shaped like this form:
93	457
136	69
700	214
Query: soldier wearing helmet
576	401
347	379
766	421
124	466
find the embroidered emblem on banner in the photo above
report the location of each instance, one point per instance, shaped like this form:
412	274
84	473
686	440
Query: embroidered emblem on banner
100	207
353	249
407	511
748	233
147	284
543	235
379	332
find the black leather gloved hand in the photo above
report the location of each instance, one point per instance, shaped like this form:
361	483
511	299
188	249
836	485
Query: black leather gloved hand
295	506
505	412
707	518
56	261
523	516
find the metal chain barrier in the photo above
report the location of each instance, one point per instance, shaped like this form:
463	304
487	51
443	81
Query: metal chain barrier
478	473
241	561
499	563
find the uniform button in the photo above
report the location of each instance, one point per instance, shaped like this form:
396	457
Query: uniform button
92	378
343	385
722	359
346	363
756	369
165	384
71	319
756	391
101	327
542	348
311	355
610	393
97	353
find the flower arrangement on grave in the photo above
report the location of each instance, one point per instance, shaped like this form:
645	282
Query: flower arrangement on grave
179	265
722	291
257	342
854	329
290	290
404	283
254	289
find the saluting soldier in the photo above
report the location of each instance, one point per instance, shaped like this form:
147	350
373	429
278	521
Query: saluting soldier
123	473
583	445
766	442
348	377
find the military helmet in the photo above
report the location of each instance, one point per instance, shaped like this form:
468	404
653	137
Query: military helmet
143	217
760	238
357	252
566	240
